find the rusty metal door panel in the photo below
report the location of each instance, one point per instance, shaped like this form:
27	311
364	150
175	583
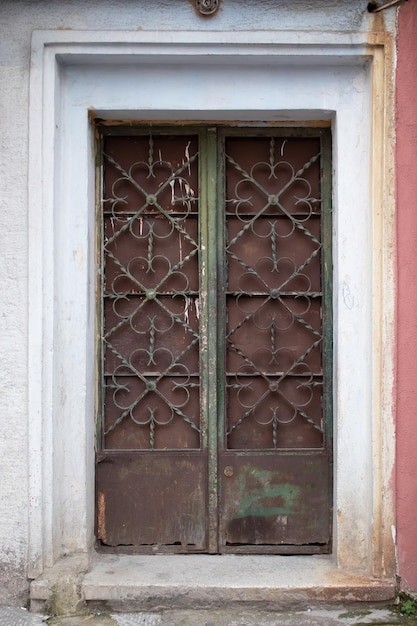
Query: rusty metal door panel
156	501
275	503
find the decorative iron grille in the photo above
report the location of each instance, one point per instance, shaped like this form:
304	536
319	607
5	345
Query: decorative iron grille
274	328
151	293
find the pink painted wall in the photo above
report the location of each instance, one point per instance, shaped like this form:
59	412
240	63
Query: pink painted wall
406	166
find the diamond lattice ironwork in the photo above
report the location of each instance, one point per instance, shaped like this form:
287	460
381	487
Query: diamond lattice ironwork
274	294
150	289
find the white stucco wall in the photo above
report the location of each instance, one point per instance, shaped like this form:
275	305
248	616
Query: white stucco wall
18	18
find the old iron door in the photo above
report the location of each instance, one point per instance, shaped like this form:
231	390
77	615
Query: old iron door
274	455
152	463
214	426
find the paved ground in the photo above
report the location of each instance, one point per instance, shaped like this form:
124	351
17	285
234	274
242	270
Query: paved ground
321	617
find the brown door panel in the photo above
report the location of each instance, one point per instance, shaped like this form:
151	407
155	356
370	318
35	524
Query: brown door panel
275	503
152	500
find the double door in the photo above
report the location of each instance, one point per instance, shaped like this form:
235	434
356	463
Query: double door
214	400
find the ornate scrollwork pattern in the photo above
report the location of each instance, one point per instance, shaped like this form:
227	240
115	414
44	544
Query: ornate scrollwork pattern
274	293
150	291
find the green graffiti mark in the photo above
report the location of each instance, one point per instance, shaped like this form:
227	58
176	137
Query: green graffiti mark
255	499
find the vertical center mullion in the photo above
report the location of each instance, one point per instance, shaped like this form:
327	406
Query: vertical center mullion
208	334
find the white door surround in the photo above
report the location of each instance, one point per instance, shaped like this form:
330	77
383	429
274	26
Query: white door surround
263	77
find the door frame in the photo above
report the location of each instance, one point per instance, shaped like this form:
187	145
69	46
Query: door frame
72	77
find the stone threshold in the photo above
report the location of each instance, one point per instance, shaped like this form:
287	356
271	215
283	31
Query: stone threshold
159	582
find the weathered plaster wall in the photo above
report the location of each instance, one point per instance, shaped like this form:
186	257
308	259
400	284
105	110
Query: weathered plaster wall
18	18
406	156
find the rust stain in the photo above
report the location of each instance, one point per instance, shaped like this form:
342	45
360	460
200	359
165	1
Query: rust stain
381	46
101	516
378	22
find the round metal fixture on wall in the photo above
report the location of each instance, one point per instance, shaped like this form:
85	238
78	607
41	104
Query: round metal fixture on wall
207	7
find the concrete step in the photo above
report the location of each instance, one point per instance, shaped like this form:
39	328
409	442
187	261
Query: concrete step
131	583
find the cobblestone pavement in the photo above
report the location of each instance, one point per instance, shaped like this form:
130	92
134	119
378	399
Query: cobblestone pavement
317	617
